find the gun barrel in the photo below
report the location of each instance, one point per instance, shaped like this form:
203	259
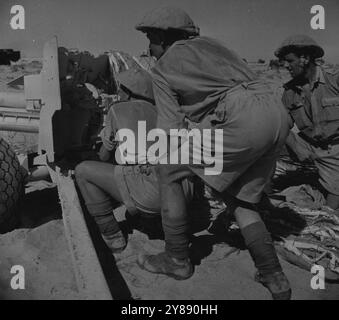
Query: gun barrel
18	127
14	116
13	100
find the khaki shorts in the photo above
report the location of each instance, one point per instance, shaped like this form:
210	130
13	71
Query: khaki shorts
140	189
255	126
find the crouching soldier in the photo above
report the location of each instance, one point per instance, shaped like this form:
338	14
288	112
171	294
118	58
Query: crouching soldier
106	185
312	99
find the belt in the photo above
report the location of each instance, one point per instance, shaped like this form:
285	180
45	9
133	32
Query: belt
323	144
256	86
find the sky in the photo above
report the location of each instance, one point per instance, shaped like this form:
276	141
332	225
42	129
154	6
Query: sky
253	28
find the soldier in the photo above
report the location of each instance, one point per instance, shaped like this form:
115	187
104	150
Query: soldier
198	80
106	185
312	99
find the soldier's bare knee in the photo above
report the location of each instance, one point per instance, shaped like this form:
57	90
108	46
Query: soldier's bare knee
81	170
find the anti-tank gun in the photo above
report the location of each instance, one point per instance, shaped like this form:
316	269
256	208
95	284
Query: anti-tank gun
64	105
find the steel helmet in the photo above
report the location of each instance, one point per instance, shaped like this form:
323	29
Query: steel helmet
138	82
167	18
299	42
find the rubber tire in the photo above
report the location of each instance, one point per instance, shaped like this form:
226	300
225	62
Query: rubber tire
11	187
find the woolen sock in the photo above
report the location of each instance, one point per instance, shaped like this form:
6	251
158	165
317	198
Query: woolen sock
261	248
176	241
102	212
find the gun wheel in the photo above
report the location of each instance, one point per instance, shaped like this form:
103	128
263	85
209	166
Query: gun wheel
11	187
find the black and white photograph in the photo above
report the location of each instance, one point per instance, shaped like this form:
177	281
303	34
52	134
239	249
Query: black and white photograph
181	151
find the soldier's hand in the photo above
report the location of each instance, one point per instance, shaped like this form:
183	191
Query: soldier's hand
105	135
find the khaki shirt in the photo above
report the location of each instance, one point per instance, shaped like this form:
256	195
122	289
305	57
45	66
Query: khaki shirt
129	115
315	107
191	78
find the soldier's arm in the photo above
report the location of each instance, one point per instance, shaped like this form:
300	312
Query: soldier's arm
170	115
287	102
106	137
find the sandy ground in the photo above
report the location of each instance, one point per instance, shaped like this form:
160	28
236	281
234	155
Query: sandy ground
43	253
221	273
223	269
39	245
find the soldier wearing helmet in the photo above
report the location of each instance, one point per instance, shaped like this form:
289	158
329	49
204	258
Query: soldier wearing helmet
136	104
312	99
199	82
164	26
104	185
